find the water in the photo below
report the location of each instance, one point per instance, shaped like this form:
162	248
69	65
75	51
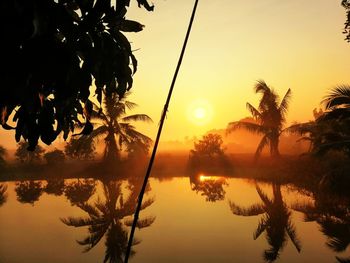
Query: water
187	220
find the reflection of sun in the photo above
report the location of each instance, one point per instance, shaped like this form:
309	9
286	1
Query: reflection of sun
199	112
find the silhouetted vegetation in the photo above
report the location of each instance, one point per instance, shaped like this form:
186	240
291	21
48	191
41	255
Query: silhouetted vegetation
331	130
25	156
209	186
53	52
110	218
80	191
28	191
269	117
54	157
208	155
55	186
332	214
276	222
3	194
115	127
80	149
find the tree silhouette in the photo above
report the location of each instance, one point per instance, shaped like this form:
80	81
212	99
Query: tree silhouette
210	187
54	157
55	186
331	129
28	191
2	156
276	222
25	156
3	194
81	149
115	126
110	218
332	214
80	191
269	118
208	154
53	52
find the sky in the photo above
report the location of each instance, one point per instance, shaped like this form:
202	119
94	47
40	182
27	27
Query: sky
293	44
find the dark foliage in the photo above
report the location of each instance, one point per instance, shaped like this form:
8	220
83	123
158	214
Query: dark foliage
28	191
54	157
25	156
53	52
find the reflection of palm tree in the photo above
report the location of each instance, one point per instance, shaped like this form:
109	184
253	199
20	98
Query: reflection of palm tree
28	191
115	126
209	186
3	194
276	222
333	216
269	118
79	192
109	218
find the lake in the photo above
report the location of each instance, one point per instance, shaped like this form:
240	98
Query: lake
202	218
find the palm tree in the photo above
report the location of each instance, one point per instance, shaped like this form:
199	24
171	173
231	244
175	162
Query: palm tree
330	130
3	194
276	222
269	118
110	218
332	214
114	125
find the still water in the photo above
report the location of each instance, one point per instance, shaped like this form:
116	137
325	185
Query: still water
201	219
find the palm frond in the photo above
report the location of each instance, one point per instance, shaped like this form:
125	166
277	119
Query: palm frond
251	127
141	223
253	210
293	236
137	117
300	128
77	221
261	87
267	201
260	229
283	108
255	113
338	96
130	105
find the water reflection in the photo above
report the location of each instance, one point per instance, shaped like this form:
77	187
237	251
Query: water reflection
332	214
110	216
209	186
276	222
3	194
28	191
55	186
80	191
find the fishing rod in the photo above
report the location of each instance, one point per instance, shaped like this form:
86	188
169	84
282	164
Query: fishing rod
154	151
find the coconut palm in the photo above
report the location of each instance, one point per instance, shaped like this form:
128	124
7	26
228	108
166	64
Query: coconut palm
269	117
114	125
276	222
110	218
332	214
3	194
331	130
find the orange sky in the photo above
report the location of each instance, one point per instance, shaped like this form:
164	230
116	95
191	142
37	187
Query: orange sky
293	44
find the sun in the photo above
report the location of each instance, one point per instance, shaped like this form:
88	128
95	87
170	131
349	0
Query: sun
200	112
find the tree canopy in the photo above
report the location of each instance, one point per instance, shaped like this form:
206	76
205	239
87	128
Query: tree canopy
54	51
